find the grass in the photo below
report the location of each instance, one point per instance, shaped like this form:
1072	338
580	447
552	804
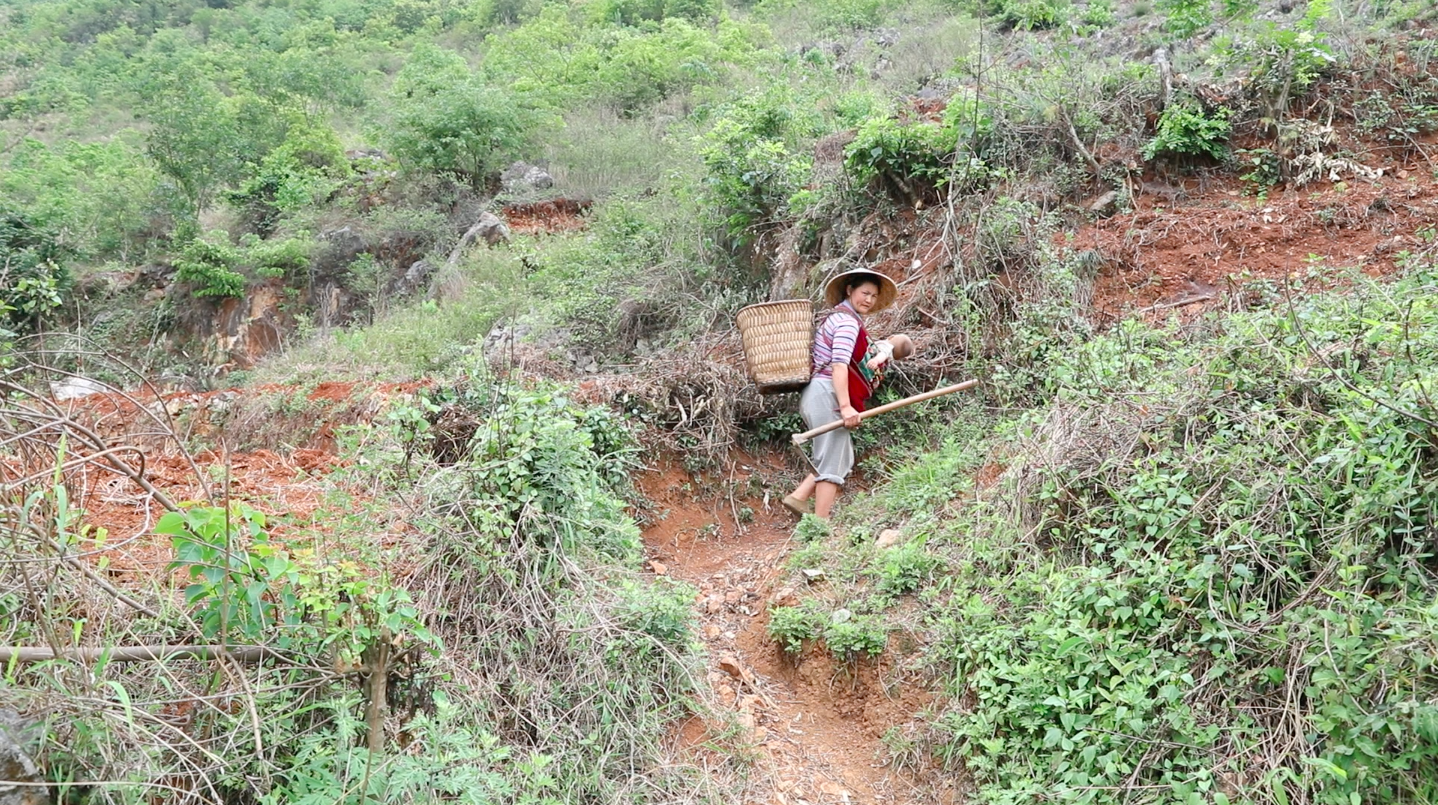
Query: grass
424	338
599	153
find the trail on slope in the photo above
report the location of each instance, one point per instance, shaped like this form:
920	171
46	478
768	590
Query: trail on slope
816	725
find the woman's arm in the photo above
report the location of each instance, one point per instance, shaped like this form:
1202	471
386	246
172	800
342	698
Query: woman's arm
841	391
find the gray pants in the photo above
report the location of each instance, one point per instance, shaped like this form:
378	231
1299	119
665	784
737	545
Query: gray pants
833	451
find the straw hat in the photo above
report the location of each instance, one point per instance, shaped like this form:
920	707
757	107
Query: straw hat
888	289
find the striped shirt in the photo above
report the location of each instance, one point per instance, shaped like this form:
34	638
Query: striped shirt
834	343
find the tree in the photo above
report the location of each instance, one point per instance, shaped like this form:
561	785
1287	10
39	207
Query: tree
195	138
448	120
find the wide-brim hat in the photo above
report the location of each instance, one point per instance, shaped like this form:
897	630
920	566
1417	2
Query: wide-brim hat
888	289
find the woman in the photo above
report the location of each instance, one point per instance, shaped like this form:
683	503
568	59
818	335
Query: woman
840	384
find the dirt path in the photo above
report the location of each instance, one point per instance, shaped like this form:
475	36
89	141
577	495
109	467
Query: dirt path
816	725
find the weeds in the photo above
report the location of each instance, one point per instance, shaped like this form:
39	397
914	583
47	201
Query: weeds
1183	549
795	627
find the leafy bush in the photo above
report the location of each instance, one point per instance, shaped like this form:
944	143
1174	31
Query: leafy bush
448	120
209	266
1281	63
532	555
1184	18
195	136
277	258
1185	129
1099	13
792	627
811	529
835	16
246	587
753	159
620	282
1227	566
105	199
659	616
885	148
33	276
306	168
905	568
1031	15
907	159
848	635
568	57
454	761
215	268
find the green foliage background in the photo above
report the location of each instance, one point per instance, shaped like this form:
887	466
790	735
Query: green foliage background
1205	575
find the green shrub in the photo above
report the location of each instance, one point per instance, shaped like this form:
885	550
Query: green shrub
901	153
1251	529
753	160
848	635
1031	15
568	57
267	595
1099	13
105	199
1280	63
663	610
792	627
586	662
623	279
209	266
1184	18
834	16
303	170
811	529
34	277
277	258
448	120
907	159
212	267
906	568
461	763
1185	129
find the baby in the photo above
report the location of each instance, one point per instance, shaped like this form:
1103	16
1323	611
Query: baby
898	346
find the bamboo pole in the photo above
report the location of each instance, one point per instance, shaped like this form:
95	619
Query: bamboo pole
800	438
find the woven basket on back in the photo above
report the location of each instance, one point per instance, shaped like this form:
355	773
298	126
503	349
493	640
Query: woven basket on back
778	338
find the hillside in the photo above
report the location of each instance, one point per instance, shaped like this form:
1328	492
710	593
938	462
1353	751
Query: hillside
374	426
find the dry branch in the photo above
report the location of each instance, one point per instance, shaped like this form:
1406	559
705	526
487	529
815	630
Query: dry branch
245	654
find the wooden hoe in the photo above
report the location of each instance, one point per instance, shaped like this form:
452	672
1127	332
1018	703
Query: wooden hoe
800	438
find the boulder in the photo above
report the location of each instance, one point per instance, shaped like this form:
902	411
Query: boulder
491	228
416	277
522	178
1106	204
16	765
344	239
73	388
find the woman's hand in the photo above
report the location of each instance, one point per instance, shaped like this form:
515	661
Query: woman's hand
850	415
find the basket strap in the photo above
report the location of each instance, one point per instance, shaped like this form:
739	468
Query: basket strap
823	317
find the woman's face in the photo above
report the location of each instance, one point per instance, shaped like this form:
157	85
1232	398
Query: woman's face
864	296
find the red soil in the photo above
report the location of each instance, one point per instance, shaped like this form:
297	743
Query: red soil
815	723
1172	252
542	217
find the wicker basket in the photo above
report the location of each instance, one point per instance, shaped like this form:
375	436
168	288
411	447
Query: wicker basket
778	339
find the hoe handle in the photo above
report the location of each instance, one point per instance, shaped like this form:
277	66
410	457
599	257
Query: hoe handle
800	438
